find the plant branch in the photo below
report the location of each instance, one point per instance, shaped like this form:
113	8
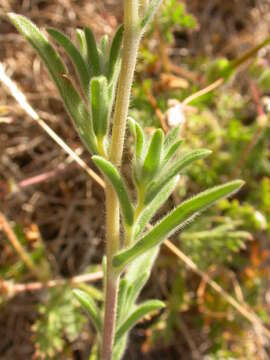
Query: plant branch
131	40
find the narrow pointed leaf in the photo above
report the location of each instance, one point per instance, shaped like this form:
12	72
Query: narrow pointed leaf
82	43
153	155
114	177
139	138
132	128
103	53
104	43
171	137
154	205
173	170
114	57
171	151
180	216
137	275
92	52
150	12
74	55
99	105
135	289
90	306
58	72
141	265
138	134
122	293
119	348
138	314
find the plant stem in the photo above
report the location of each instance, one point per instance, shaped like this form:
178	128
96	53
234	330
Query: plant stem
131	40
112	279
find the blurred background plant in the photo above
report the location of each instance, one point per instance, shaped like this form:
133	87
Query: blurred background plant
179	57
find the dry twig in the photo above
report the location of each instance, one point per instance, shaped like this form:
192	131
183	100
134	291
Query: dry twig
14	289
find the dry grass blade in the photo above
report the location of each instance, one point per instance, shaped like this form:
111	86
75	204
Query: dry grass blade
22	101
12	238
203	91
246	313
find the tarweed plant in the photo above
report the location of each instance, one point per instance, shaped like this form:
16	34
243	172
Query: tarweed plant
99	111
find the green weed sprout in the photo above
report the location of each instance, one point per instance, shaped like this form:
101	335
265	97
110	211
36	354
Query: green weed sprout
99	111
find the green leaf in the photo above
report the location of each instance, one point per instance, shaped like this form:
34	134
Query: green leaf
57	70
114	57
114	177
171	137
150	12
82	43
119	348
153	156
137	274
138	135
103	53
121	309
175	220
95	293
138	314
154	205
171	152
139	138
173	170
74	55
90	306
92	52
104	43
134	290
140	265
99	105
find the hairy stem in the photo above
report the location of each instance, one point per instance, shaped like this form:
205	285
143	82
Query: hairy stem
112	245
131	40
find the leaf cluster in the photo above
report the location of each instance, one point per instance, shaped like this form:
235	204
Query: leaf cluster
156	165
97	67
